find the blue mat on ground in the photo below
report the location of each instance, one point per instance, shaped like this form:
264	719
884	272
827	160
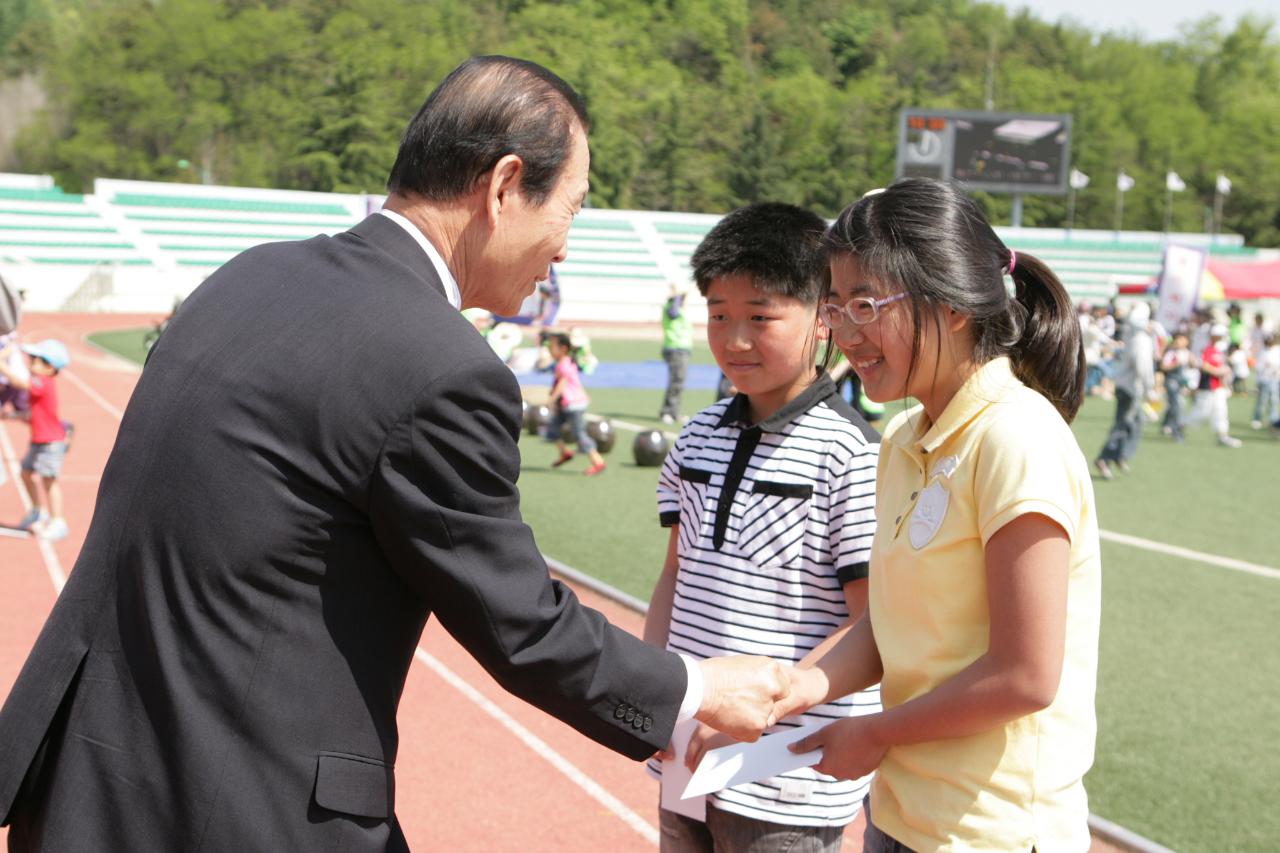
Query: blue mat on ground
634	374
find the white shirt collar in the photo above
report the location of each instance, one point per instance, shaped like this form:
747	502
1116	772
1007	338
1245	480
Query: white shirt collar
451	291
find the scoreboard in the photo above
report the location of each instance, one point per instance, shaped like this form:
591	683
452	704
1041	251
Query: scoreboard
996	152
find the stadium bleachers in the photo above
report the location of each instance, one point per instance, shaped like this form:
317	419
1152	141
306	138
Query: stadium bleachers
136	245
42	225
201	228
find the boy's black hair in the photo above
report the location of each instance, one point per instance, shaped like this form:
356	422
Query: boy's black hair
778	245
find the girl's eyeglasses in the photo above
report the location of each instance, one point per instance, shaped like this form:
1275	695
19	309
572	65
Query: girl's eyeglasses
859	311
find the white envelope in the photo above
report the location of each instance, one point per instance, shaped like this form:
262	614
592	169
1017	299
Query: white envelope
675	776
750	762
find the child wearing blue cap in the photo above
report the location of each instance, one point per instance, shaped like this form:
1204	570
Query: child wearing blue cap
48	437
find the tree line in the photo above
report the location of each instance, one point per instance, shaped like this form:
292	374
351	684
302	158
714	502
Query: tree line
696	105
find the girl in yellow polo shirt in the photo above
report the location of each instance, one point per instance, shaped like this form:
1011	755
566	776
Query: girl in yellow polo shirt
985	582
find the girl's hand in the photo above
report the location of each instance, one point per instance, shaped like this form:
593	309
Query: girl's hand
850	748
808	688
704	739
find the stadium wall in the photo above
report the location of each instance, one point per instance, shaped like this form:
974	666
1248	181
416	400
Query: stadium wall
139	246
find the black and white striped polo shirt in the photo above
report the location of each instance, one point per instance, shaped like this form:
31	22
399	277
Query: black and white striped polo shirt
775	518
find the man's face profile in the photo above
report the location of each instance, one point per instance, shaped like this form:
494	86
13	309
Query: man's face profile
527	239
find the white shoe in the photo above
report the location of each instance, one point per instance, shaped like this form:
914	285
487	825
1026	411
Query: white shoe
1228	441
668	419
54	530
33	517
1255	424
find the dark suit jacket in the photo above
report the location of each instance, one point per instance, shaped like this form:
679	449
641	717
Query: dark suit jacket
320	453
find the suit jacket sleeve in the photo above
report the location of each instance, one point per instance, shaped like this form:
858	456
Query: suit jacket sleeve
445	509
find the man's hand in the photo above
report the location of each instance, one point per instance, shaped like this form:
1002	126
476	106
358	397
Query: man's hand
739	694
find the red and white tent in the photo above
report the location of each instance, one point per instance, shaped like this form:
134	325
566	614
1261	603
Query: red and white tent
1228	281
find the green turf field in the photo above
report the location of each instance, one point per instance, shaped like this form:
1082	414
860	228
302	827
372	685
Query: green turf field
614	349
1189	678
130	343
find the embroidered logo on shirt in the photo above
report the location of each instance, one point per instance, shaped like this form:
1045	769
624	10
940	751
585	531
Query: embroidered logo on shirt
931	509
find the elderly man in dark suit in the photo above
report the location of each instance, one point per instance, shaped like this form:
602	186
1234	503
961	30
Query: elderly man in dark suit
320	454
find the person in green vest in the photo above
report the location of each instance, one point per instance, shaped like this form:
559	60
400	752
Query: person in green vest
1236	332
677	347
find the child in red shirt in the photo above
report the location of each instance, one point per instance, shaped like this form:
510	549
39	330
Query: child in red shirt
48	437
1211	402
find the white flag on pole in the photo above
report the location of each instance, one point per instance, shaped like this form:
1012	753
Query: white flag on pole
1079	180
1124	183
1173	183
1224	184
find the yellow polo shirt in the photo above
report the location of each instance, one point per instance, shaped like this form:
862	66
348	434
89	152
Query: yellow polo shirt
999	450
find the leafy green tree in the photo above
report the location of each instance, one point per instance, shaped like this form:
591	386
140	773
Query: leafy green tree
695	104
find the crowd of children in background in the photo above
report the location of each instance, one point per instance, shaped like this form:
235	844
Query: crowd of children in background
1189	372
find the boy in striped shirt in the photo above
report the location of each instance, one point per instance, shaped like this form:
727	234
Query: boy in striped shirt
769	497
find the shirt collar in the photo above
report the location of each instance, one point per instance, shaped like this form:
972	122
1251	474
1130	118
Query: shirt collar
988	384
451	291
738	412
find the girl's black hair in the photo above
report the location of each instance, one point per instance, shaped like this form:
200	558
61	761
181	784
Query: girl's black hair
934	242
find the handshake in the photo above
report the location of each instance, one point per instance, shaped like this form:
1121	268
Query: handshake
743	696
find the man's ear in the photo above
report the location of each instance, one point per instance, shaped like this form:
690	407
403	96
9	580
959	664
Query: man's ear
504	182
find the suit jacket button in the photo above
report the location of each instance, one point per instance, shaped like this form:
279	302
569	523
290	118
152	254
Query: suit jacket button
630	715
619	712
638	722
648	723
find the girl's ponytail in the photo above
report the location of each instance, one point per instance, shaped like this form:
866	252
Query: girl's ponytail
1048	355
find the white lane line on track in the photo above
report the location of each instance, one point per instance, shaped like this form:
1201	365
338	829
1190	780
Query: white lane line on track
94	395
582	780
591	787
1188	554
50	557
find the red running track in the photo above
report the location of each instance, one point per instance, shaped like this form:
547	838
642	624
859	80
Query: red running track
477	769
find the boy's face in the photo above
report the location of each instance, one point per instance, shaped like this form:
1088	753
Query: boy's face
40	367
765	343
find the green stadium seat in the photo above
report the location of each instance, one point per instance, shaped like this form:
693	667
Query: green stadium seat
246	205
